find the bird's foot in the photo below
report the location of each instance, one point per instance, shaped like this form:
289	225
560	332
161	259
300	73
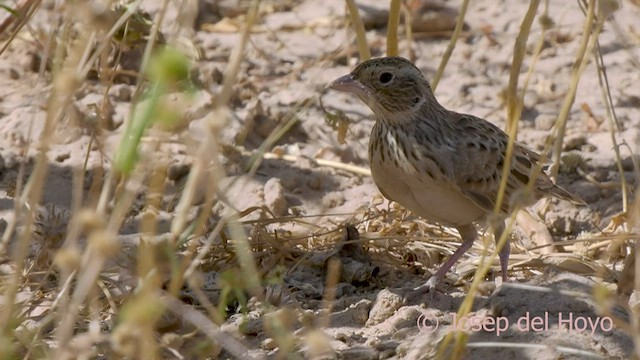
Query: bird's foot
426	291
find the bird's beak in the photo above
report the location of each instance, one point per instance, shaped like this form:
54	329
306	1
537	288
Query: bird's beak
348	84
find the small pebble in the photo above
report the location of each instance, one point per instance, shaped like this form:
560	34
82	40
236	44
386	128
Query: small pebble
385	305
268	344
121	92
333	199
177	171
14	74
627	163
575	143
545	121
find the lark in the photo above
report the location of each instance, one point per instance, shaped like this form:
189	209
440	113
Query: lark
442	165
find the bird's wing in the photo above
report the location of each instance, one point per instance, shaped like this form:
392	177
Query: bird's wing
481	151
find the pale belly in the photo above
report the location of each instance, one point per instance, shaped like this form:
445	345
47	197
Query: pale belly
434	201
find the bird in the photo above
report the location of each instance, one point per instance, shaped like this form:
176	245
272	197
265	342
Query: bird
443	166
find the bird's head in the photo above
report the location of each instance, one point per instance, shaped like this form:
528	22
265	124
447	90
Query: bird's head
390	86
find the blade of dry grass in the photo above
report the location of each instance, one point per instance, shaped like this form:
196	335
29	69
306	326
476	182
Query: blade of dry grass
546	23
213	332
513	110
514	102
589	36
243	250
361	35
514	105
26	9
467	303
556	349
64	86
612	118
634	300
392	28
408	21
321	162
452	44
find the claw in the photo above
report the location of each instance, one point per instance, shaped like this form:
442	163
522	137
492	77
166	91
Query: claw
430	288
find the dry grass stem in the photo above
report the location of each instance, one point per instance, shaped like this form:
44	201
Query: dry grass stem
392	28
228	342
359	170
452	44
514	106
588	40
361	36
514	101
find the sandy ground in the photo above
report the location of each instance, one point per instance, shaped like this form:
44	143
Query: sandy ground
296	50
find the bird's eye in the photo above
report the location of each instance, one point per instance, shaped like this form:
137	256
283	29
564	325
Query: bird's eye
386	77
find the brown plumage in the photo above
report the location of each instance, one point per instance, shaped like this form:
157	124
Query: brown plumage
440	164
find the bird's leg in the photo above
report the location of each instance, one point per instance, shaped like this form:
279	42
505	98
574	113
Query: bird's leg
498	229
468	234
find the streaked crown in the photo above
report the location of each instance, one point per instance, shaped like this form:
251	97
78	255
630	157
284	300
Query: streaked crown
392	85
